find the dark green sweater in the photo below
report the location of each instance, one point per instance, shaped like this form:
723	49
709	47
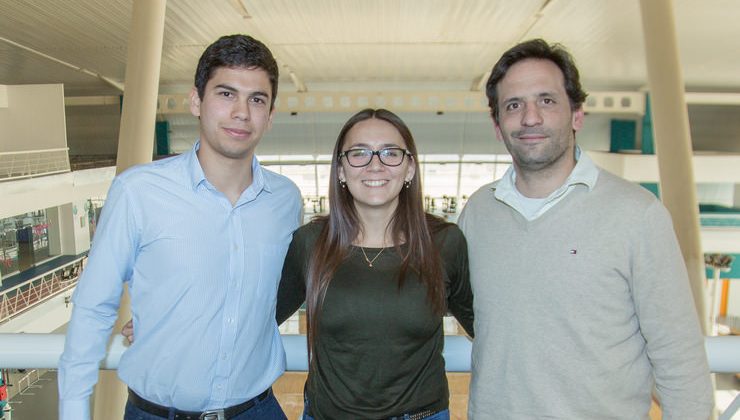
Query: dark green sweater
378	349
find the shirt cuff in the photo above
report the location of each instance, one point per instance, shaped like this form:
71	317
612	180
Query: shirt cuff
74	409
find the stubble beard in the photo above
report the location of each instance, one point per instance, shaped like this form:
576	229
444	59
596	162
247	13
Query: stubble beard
535	158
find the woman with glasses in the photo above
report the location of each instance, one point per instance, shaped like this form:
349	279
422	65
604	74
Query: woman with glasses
377	275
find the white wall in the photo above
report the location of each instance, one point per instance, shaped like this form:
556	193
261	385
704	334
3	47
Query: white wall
93	130
33	119
53	190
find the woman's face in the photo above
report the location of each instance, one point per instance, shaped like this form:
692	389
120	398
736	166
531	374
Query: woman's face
376	185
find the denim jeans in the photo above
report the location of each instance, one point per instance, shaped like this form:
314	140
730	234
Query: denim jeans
267	409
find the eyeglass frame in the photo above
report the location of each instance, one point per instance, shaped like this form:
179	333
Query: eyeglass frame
374	153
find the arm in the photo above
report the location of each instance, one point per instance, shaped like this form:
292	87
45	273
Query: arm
96	301
292	290
459	292
668	321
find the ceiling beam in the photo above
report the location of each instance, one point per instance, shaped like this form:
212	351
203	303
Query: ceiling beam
102	78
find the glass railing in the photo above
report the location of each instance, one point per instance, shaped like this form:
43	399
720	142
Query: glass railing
26	164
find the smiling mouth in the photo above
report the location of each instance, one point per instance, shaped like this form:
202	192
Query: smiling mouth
375	183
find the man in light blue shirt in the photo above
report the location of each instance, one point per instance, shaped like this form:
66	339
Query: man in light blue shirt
200	238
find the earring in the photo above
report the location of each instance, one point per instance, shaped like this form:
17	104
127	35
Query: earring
343	183
407	184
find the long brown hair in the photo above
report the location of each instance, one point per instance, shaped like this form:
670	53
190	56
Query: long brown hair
409	225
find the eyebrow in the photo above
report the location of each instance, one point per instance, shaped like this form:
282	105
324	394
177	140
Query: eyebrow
520	98
233	89
367	146
226	87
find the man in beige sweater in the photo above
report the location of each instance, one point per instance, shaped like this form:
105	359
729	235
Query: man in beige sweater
582	302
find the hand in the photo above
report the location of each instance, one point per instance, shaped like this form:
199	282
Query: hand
128	331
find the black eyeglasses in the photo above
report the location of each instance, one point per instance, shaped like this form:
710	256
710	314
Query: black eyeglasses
389	156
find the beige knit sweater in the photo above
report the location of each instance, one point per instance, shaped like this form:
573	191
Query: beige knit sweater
580	312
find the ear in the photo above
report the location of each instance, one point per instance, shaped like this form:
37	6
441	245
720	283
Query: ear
578	116
340	173
194	102
269	119
497	130
411	170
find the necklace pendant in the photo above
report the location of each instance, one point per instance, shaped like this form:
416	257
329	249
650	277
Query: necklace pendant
368	260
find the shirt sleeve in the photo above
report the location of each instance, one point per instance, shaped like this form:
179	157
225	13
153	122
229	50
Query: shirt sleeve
459	292
669	322
96	300
292	290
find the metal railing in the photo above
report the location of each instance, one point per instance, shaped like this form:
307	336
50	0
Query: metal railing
29	380
26	164
43	351
37	290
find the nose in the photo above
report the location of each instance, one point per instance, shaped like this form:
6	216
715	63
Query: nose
375	163
531	115
240	111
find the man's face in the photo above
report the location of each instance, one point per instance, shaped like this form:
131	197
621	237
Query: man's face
234	112
535	118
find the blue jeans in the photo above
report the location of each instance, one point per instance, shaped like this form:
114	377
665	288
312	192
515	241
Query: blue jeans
267	409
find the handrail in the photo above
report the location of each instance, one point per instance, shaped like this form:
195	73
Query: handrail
61	267
21	152
34	291
22	351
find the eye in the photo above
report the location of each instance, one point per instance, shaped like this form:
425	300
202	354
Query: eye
548	101
259	100
391	152
226	94
512	106
358	152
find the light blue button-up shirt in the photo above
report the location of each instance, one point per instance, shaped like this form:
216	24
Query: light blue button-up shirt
202	275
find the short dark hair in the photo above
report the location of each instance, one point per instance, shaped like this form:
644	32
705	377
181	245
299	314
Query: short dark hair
236	51
537	49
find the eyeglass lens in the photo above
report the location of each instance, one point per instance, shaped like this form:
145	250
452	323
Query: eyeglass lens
389	156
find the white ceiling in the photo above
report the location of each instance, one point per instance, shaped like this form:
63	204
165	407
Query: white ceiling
366	44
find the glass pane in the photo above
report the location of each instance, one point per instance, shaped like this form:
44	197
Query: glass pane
440	186
304	176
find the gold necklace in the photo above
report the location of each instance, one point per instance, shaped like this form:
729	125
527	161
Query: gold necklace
368	260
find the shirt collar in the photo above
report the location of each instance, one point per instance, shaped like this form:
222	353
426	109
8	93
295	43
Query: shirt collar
585	172
197	176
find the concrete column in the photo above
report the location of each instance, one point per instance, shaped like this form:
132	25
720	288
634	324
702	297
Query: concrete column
135	145
54	219
136	137
673	140
69	233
